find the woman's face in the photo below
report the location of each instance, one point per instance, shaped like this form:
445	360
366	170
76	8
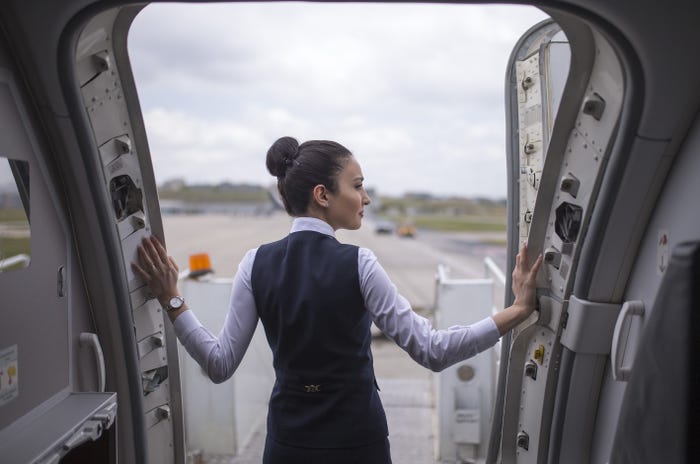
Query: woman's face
346	205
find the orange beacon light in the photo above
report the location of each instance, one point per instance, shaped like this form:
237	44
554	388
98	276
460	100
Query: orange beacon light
199	265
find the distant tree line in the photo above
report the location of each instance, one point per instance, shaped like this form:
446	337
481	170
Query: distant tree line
422	209
225	192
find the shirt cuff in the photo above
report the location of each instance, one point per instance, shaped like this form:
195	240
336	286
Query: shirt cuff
185	323
486	333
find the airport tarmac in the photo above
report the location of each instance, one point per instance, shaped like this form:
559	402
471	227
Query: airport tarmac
411	263
407	389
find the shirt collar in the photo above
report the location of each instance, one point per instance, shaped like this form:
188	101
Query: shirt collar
313	224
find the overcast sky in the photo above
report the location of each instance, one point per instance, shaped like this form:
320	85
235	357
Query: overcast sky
414	91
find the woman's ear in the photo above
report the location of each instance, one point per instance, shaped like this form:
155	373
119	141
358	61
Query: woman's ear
320	194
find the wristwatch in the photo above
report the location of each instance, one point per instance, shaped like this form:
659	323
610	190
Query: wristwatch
174	303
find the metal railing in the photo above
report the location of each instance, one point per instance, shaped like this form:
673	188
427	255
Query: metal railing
493	272
13	261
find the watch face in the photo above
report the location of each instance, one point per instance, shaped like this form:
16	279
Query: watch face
176	302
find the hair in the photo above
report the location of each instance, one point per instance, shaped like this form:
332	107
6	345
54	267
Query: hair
299	168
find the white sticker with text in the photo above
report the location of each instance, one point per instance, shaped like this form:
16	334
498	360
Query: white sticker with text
9	374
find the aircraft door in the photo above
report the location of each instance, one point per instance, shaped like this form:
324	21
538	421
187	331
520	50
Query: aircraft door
125	175
563	99
77	195
536	75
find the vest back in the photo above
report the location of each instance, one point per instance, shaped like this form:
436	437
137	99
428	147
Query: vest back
307	293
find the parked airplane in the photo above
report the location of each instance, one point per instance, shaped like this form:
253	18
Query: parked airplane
605	186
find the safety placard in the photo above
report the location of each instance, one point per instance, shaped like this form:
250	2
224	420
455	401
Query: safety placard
9	374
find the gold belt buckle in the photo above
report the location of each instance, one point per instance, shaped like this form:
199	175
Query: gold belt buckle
312	388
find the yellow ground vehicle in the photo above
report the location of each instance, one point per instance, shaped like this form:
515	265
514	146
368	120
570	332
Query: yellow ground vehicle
406	229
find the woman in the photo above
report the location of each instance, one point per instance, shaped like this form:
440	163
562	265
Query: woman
316	299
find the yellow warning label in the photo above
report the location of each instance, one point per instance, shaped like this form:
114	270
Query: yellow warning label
9	374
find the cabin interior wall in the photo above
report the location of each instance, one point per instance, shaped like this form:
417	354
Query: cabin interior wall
674	220
34	334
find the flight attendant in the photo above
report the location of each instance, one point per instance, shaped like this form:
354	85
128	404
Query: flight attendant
316	298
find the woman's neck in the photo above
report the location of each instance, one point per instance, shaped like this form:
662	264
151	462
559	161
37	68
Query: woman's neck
319	213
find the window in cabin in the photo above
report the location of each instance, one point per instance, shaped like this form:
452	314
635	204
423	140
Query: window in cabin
15	244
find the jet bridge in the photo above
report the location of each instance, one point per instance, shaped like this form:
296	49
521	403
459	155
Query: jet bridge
220	419
465	391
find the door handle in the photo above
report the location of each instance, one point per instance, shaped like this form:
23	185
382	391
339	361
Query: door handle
88	339
621	337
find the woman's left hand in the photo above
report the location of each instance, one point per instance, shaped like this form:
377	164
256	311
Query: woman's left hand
157	269
523	282
524	288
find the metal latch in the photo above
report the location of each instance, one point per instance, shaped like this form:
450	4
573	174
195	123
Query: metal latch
531	370
157	414
92	428
594	106
150	343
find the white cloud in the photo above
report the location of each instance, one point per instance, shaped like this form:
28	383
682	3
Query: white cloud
415	90
202	150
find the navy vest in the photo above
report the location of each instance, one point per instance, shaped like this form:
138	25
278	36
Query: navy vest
307	293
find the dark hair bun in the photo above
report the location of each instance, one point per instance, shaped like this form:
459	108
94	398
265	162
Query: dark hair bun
281	155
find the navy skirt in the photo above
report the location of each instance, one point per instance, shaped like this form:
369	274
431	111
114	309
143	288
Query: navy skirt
278	453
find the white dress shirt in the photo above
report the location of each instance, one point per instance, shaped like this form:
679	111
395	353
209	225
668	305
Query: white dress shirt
391	312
